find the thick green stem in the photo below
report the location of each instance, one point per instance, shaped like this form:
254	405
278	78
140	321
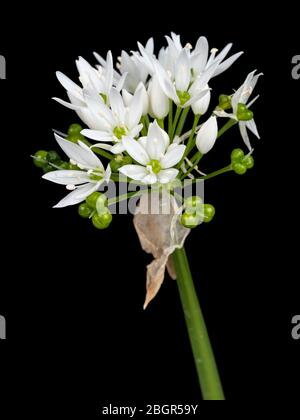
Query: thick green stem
206	367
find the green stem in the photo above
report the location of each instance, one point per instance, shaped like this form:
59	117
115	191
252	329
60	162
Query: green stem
206	367
176	118
189	144
125	197
211	175
160	122
170	118
182	121
99	151
144	129
216	173
195	162
147	121
195	156
226	127
103	153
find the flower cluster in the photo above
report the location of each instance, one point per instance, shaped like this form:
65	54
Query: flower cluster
135	114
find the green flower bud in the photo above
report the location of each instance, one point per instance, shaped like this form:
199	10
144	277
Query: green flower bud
190	220
92	199
208	212
75	137
243	113
192	204
101	204
63	165
84	210
248	161
224	102
237	155
106	217
102	221
40	158
239	168
52	156
48	168
74	129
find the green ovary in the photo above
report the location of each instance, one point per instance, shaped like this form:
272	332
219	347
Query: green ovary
155	165
183	97
243	113
119	132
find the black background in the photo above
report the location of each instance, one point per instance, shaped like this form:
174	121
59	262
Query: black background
77	337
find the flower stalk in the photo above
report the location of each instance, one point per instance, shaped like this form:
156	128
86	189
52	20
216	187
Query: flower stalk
190	143
205	363
227	126
175	121
181	121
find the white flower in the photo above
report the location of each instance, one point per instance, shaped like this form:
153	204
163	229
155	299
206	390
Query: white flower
134	67
97	80
207	135
159	102
240	105
201	106
200	61
81	183
116	122
155	156
127	97
183	90
183	72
